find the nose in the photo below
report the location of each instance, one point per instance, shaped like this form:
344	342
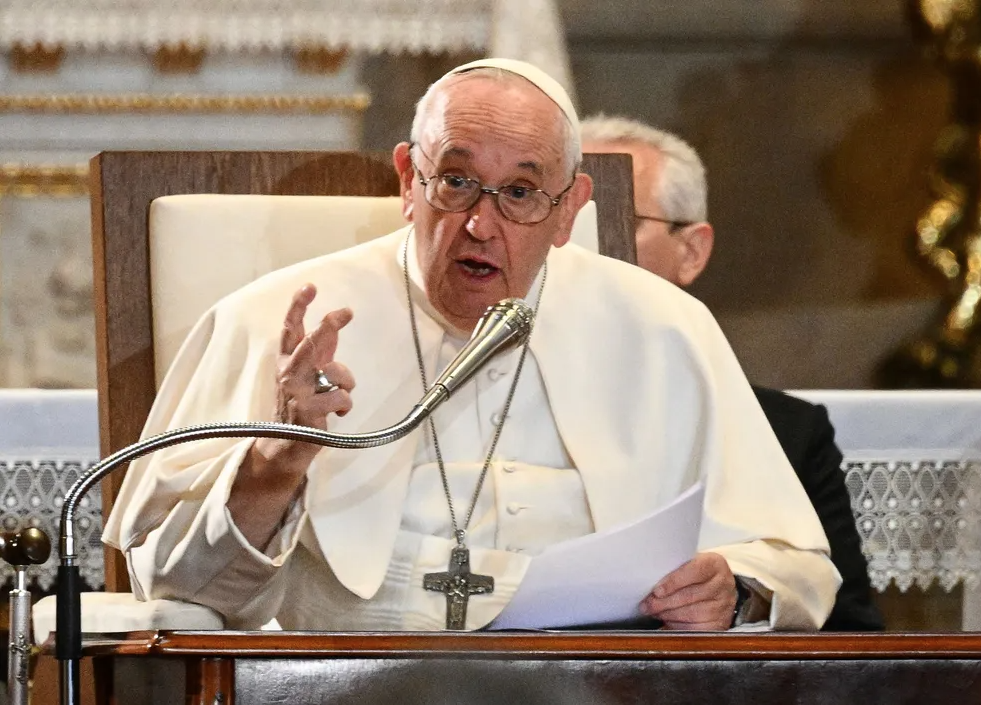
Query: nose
480	222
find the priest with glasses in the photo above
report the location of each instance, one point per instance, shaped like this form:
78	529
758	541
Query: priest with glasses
611	409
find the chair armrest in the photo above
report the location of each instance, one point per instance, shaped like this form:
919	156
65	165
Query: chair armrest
112	612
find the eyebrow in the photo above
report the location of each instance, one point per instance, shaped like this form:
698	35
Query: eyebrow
457	152
532	166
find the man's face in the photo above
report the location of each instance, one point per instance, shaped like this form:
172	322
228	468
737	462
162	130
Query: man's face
658	250
499	133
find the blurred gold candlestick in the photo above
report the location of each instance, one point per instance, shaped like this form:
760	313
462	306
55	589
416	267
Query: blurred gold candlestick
948	233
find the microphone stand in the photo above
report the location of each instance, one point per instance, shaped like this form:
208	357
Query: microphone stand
504	326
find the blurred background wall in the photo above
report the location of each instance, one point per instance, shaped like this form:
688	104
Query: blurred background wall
815	120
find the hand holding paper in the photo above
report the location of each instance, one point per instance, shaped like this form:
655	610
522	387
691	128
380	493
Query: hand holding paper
698	596
603	577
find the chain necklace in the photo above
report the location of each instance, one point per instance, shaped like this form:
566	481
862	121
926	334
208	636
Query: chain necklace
458	583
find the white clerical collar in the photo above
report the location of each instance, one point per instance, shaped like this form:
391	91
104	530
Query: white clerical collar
417	289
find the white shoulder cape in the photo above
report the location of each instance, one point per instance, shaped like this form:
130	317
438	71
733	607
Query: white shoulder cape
645	391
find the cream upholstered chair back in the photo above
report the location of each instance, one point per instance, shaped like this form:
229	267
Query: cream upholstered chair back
205	246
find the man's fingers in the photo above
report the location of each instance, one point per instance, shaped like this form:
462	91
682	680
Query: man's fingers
300	380
339	375
325	336
699	593
714	612
685	596
700	569
336	402
696	612
317	349
293	331
313	410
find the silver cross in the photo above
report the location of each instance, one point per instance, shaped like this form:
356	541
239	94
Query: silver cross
458	584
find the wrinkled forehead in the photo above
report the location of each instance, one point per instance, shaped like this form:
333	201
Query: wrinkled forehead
492	110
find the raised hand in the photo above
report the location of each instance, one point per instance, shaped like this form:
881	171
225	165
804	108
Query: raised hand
302	357
274	470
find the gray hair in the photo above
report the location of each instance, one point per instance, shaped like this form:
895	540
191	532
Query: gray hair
571	137
682	192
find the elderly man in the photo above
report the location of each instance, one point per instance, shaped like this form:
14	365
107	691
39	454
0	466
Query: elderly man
613	408
674	241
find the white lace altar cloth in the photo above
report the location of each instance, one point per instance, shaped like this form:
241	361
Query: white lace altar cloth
912	466
912	463
47	438
518	29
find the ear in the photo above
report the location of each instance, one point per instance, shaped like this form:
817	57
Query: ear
572	203
403	167
697	240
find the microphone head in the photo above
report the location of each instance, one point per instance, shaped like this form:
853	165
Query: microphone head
514	314
503	327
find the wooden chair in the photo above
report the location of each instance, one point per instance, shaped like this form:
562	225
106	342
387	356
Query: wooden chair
123	185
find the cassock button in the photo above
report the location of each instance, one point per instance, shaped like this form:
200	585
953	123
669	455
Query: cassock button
494	374
514	508
509	467
496	418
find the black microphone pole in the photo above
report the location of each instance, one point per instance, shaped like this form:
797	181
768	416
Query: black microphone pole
503	327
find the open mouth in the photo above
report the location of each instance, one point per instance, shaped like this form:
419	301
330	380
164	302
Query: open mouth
477	268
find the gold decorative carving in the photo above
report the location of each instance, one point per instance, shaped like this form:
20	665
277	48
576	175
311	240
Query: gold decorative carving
33	180
318	60
948	233
36	58
178	59
182	103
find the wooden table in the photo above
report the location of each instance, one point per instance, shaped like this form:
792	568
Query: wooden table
246	668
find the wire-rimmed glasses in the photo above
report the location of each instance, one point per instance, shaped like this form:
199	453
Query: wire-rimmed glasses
519	204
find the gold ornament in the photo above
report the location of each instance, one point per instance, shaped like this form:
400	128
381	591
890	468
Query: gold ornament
948	233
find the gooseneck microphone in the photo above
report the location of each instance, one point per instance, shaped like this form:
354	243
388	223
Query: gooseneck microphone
503	327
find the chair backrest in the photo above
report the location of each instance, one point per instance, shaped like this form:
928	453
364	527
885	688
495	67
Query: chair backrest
124	184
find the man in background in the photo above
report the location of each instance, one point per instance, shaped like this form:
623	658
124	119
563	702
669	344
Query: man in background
674	241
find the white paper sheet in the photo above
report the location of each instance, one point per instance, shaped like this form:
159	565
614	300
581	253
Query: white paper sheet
602	577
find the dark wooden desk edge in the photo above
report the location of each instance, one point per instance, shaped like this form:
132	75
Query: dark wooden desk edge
527	646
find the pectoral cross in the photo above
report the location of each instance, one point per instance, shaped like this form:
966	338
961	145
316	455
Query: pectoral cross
458	584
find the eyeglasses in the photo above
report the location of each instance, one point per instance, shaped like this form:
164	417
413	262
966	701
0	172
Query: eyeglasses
519	204
675	224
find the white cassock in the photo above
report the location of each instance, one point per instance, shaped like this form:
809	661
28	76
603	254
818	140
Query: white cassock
629	395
